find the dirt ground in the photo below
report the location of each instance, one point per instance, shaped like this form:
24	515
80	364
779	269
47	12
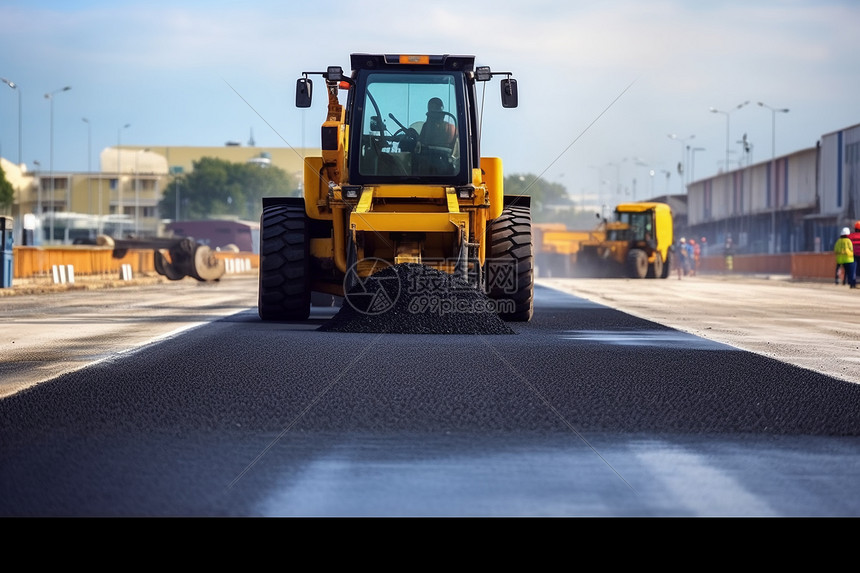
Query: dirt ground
814	325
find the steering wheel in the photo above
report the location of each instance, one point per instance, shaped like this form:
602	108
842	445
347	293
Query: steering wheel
407	138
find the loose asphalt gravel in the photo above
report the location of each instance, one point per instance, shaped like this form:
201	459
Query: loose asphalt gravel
414	299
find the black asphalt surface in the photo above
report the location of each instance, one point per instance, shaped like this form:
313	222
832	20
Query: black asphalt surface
232	418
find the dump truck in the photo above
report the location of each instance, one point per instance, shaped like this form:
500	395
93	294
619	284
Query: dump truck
400	180
636	244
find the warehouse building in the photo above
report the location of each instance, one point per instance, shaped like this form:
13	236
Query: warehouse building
793	203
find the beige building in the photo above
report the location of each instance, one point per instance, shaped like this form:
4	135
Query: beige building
121	199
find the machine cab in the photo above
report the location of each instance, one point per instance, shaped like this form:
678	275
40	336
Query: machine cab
637	228
411	119
408	125
408	118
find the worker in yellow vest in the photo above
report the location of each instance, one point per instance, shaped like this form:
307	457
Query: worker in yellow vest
844	251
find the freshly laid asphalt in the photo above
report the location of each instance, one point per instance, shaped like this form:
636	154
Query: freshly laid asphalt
239	417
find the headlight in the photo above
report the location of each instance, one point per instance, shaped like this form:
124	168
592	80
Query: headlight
465	192
351	191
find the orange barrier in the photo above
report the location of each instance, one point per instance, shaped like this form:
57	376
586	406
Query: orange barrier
251	257
87	260
807	266
800	266
29	262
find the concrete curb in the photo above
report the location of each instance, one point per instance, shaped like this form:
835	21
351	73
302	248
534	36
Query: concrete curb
45	285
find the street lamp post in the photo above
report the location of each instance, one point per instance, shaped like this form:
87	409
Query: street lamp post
17	89
38	213
773	112
682	167
727	113
747	149
50	97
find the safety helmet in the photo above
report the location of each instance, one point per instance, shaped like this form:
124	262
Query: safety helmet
846	231
683	240
857	226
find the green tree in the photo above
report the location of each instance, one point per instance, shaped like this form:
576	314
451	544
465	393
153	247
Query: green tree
540	190
7	193
216	187
550	202
546	197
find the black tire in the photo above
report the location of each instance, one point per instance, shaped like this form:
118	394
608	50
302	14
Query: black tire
284	292
655	269
637	264
182	257
165	268
509	271
667	265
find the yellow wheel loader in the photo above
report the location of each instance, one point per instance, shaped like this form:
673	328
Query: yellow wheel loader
400	180
636	244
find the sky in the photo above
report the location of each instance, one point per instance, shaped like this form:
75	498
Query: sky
603	86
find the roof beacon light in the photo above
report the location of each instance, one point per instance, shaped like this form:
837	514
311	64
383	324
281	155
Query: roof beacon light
414	59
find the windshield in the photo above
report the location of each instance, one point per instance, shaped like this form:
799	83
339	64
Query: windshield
641	225
410	125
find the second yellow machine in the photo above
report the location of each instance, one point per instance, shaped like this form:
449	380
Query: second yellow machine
637	244
400	180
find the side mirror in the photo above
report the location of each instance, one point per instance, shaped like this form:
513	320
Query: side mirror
304	92
509	92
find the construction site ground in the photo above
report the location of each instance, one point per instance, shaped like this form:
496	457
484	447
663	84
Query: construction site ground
814	325
811	324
